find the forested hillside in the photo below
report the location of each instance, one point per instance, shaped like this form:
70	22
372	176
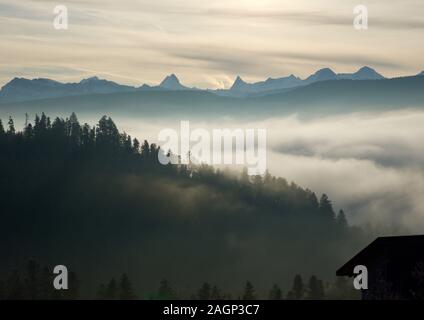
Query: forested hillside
99	202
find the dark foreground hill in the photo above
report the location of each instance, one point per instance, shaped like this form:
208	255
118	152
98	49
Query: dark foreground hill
99	202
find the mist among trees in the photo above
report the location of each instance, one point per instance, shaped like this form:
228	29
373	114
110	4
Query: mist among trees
98	201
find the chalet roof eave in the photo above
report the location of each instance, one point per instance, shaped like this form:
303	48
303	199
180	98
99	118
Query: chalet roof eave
347	268
378	244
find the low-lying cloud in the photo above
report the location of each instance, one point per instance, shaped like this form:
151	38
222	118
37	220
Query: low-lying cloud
371	165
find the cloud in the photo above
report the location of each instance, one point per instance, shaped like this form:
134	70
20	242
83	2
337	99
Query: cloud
205	43
370	164
317	18
260	61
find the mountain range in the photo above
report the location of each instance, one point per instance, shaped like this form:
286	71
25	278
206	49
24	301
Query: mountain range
22	89
318	98
242	88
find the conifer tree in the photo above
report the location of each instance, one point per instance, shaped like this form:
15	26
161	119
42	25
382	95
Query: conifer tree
315	289
249	292
275	293
165	291
298	287
216	293
341	219
111	290
125	288
11	124
205	292
326	207
1	128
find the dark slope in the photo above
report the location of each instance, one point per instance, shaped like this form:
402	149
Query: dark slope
101	205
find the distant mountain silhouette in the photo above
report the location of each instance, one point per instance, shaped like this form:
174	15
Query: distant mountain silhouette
21	89
171	82
322	75
322	97
242	88
239	85
365	73
96	85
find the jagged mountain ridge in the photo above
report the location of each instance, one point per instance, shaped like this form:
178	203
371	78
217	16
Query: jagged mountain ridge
22	89
242	88
323	97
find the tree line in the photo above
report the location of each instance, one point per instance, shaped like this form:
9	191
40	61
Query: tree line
36	283
87	195
68	138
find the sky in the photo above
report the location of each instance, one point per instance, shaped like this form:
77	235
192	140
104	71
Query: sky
207	43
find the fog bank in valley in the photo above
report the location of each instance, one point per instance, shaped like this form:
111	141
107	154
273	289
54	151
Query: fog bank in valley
370	164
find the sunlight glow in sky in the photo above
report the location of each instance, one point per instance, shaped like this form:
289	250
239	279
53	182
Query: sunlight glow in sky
207	43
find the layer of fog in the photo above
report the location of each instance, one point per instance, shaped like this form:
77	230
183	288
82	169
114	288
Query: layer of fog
371	165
